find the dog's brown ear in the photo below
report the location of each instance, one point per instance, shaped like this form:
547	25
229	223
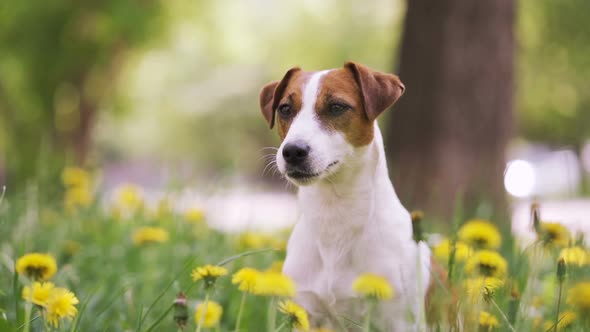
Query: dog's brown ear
379	90
270	95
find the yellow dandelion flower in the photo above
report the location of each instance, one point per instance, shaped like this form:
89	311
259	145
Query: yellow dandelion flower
206	271
480	234
537	301
296	315
574	256
71	247
41	292
210	315
37	266
373	286
129	197
246	279
579	296
61	304
77	197
254	240
482	287
554	234
487	263
209	274
566	319
488	320
145	235
278	244
443	250
163	209
276	266
116	213
194	215
48	216
75	177
274	284
250	240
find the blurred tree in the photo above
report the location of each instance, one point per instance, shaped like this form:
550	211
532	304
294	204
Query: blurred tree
58	62
448	135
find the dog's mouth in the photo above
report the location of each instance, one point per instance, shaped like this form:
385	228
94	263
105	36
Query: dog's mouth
304	176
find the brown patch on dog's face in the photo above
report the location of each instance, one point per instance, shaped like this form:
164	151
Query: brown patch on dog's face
340	107
348	100
292	98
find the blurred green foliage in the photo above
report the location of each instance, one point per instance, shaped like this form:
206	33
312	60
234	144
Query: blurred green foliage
553	99
58	60
195	95
188	74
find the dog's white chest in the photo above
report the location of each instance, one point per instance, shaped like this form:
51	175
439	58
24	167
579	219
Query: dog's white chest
336	275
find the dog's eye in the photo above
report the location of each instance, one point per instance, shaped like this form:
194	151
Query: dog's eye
285	110
337	108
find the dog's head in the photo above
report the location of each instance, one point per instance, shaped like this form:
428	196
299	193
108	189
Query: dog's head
324	117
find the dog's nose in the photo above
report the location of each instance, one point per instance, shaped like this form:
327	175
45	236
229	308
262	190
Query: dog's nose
295	153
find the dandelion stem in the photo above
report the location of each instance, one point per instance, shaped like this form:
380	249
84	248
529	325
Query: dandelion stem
451	262
202	316
246	253
272	315
47	328
503	315
558	306
2	194
421	316
280	327
240	312
560	279
341	324
367	327
28	309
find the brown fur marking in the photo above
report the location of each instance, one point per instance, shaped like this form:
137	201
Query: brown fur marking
293	95
339	86
367	92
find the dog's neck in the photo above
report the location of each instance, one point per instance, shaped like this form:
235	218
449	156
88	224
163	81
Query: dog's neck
358	195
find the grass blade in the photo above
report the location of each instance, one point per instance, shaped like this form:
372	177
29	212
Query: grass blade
16	296
76	322
139	318
165	313
186	266
32	320
115	297
223	262
244	254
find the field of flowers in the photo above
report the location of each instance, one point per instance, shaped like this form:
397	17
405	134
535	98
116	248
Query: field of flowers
68	263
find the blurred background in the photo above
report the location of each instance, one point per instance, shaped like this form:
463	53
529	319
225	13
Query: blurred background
165	94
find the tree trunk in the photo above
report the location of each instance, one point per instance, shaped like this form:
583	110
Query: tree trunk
448	134
81	138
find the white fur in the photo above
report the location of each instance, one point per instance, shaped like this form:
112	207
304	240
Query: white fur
351	223
326	147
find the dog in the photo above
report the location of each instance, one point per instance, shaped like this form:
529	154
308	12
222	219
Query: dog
352	221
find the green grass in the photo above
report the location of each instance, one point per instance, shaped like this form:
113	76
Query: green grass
121	286
127	287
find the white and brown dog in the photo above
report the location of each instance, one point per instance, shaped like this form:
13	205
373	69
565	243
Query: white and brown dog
351	220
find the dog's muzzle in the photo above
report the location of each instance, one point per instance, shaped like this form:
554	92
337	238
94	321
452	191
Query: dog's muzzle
296	156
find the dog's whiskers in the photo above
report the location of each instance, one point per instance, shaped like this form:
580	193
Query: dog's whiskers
269	148
271	164
267	157
274	169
